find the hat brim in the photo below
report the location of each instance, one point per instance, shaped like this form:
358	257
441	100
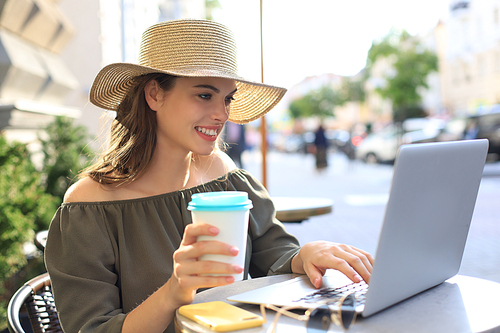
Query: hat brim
251	101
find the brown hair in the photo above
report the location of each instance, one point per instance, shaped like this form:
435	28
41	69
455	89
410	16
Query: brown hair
133	135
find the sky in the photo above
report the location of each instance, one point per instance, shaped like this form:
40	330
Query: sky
313	37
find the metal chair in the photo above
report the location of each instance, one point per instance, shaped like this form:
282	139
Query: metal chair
41	239
36	297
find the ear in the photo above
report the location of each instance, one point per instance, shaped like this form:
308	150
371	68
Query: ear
152	93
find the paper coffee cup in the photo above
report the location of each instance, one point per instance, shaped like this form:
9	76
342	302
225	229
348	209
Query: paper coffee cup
229	211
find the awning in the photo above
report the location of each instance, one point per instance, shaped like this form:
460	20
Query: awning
28	72
23	114
38	21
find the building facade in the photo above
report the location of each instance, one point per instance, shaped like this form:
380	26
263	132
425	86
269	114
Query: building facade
469	56
467	82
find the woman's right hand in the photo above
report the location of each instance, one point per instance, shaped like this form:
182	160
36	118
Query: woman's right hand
189	273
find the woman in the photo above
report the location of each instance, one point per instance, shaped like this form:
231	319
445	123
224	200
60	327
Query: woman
122	251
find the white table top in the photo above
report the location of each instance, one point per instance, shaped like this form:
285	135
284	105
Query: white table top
297	209
460	304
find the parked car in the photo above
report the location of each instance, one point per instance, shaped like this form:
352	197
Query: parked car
380	146
383	145
481	126
488	127
453	130
293	143
307	142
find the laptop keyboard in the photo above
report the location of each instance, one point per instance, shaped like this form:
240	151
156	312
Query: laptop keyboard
332	295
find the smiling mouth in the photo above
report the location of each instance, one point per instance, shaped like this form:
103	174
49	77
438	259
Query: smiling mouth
206	131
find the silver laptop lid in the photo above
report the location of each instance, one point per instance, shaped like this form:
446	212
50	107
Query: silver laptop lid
427	219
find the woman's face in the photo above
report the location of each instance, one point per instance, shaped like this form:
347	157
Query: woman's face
192	115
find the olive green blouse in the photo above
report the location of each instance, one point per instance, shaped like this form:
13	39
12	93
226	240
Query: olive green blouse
105	258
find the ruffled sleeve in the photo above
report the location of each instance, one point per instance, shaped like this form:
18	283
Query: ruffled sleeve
81	261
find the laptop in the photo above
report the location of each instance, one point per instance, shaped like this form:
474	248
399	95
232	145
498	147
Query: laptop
421	243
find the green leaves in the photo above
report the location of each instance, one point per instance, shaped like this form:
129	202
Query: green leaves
29	197
319	103
407	63
411	64
65	154
24	206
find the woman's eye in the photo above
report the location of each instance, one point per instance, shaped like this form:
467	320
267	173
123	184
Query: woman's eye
205	96
229	99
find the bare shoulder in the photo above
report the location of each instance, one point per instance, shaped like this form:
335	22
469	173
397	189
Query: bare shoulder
87	190
211	167
227	164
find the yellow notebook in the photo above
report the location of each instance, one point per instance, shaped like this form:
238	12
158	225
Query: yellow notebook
220	316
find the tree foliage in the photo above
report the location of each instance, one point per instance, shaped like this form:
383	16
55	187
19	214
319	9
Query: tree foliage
210	6
30	197
24	209
320	103
65	154
352	90
412	63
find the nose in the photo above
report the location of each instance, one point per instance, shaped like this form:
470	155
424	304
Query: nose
221	112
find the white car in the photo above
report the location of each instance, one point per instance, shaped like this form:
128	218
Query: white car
383	145
379	147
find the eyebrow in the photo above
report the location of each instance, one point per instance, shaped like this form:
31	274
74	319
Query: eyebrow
207	86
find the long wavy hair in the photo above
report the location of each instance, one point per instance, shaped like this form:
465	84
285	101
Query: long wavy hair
133	135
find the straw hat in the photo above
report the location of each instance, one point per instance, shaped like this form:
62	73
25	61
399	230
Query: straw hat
189	48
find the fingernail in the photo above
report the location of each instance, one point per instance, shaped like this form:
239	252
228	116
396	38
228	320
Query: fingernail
317	282
234	250
213	230
229	279
238	268
357	278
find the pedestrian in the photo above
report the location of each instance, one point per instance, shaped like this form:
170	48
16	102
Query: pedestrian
121	251
321	149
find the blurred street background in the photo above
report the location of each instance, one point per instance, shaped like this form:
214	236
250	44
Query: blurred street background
363	77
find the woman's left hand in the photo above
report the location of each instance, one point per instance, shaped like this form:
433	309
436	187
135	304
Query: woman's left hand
315	258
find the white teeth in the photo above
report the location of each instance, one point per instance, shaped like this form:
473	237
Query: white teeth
206	131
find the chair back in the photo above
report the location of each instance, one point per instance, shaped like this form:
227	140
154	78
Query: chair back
36	297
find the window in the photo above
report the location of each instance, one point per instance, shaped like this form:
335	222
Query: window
466	73
481	65
456	74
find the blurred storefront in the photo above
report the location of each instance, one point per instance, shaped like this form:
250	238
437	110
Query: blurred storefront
34	80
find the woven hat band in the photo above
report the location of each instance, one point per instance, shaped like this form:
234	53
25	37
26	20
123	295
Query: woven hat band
169	46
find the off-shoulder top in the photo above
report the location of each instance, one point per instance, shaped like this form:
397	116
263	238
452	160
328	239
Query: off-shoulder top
105	258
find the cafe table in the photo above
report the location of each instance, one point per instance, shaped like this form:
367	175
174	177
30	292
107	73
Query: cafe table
298	209
460	304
